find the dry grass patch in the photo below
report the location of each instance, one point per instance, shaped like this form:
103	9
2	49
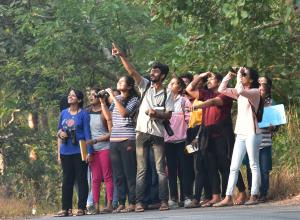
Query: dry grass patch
13	208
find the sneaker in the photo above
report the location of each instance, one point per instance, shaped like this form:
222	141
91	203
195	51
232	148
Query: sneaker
172	204
187	203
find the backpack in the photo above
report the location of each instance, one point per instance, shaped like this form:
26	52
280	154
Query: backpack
134	114
260	110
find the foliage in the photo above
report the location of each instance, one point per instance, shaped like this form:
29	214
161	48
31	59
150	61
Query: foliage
219	34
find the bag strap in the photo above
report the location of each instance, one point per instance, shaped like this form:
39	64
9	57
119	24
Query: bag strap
199	131
165	98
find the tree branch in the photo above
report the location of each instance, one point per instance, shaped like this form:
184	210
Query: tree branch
6	136
12	118
267	25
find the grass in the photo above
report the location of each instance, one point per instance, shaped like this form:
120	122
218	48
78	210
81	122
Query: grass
13	208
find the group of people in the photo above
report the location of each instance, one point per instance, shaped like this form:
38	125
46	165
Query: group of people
137	142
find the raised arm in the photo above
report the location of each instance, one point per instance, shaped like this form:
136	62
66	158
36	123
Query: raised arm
192	89
127	65
106	114
251	94
217	101
231	92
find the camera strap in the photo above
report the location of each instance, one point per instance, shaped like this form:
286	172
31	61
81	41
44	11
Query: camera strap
165	98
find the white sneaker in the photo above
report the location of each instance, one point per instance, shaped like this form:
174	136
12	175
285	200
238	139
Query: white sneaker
172	204
187	203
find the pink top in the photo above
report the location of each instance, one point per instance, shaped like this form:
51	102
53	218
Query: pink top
246	122
179	120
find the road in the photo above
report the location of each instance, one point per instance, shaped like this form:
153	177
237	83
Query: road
262	211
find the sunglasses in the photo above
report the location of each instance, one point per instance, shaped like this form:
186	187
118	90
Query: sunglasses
243	74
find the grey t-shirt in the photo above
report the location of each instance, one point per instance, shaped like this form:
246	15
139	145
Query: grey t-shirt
152	100
98	129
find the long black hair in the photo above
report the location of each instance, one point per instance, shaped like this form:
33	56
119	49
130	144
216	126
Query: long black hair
253	74
132	91
79	96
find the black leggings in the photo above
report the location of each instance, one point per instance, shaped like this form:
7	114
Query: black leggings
179	164
74	169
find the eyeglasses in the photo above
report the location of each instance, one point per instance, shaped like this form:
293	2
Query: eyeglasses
243	74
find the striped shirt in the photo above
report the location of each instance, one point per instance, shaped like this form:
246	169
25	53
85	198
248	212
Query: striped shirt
266	133
123	128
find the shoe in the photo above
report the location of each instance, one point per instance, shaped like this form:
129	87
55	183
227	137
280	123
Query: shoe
187	203
181	203
164	206
194	204
153	206
252	201
172	204
262	199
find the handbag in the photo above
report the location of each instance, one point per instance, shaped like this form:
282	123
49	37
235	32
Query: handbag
194	145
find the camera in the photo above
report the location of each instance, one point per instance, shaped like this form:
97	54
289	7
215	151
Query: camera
167	126
102	94
234	69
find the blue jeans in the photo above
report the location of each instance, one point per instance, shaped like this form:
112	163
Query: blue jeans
151	192
243	144
265	163
89	201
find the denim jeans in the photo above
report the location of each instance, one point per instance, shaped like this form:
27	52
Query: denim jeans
89	201
151	193
143	142
265	163
243	144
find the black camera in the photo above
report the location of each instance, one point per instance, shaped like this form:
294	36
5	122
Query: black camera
234	69
72	135
102	94
167	126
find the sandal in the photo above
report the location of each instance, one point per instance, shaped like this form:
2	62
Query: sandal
164	206
130	208
139	208
106	210
119	209
62	213
80	212
239	202
222	204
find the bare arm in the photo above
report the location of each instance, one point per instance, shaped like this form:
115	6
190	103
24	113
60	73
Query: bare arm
192	88
58	149
118	104
127	65
210	102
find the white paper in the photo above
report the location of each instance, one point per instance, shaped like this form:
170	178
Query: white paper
273	115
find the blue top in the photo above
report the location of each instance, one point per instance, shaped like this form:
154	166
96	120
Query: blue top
79	125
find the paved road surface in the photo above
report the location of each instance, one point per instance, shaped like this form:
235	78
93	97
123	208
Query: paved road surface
259	212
